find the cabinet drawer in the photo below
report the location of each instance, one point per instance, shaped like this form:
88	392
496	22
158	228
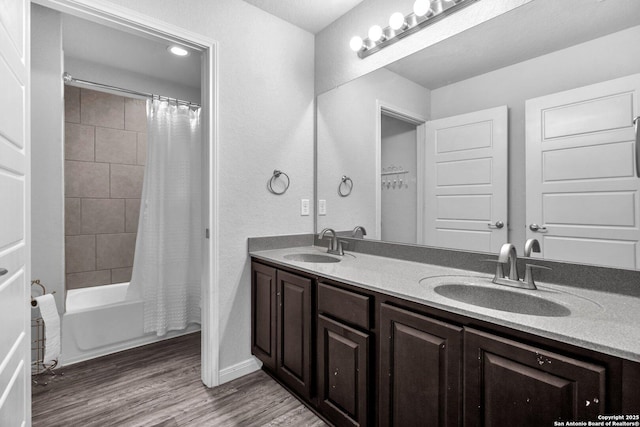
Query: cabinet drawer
347	306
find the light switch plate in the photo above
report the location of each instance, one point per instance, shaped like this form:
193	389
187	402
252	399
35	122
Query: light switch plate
322	207
304	207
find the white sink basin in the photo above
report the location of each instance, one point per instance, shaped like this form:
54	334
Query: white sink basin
482	292
502	299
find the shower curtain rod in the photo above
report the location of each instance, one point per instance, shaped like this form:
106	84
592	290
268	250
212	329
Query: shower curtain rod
70	79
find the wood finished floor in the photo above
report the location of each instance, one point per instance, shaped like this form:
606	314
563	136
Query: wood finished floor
159	386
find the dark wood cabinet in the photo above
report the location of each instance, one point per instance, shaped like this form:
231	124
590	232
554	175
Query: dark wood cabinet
510	383
363	358
343	373
420	370
281	325
263	314
294	332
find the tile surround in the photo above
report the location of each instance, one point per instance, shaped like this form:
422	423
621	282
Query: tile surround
71	104
86	179
105	153
135	115
116	146
80	253
132	215
115	250
101	109
126	181
72	216
79	142
102	216
88	278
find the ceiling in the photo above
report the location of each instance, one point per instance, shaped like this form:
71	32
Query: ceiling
511	38
310	15
106	46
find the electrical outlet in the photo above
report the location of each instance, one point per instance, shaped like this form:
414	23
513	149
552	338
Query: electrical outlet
304	207
322	207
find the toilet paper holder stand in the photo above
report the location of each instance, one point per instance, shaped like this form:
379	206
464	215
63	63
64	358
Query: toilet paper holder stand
37	343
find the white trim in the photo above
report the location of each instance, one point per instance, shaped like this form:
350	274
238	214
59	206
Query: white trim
383	107
239	370
142	25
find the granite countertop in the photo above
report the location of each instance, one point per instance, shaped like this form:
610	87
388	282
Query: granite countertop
600	321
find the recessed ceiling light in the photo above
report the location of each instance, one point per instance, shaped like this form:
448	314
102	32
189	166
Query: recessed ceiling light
178	51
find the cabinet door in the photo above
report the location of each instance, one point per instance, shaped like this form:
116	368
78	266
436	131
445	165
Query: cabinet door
509	383
263	314
420	370
343	373
294	332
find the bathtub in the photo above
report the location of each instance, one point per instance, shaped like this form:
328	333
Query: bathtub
100	320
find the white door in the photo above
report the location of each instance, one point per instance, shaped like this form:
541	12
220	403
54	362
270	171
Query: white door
582	188
15	368
465	203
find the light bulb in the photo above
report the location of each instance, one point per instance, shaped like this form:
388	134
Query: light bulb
421	7
177	50
375	33
396	21
356	43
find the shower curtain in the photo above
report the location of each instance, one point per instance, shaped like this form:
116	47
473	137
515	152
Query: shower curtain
168	254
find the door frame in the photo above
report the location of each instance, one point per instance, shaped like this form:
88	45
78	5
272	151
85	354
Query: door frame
124	19
390	110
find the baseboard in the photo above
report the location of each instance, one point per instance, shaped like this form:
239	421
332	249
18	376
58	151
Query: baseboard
239	370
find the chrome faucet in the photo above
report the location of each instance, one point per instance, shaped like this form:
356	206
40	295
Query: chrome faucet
360	228
531	245
335	246
507	254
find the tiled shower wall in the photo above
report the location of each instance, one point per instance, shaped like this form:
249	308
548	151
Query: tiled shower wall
105	153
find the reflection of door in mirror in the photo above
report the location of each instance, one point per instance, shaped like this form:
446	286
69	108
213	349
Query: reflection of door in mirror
399	196
583	194
466	181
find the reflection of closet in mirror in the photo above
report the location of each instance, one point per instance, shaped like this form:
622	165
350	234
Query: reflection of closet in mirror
399	204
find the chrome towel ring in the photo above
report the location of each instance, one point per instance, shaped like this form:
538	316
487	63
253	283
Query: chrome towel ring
274	178
345	186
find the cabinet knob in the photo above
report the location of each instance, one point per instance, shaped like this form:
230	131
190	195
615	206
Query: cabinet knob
3	271
498	224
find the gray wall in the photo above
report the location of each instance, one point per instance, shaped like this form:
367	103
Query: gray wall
266	101
347	143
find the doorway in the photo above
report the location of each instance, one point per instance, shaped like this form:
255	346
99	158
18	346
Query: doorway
399	178
207	48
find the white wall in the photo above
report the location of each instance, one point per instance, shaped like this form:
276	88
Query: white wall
87	70
598	60
47	152
266	109
399	202
346	139
337	64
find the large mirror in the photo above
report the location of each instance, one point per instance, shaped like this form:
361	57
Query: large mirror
521	127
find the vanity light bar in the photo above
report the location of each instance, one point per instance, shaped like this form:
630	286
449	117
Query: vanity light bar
425	12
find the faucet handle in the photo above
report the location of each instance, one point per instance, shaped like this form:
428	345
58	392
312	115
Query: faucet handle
528	274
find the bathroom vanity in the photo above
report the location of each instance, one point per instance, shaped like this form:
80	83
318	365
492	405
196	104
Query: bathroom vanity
369	340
